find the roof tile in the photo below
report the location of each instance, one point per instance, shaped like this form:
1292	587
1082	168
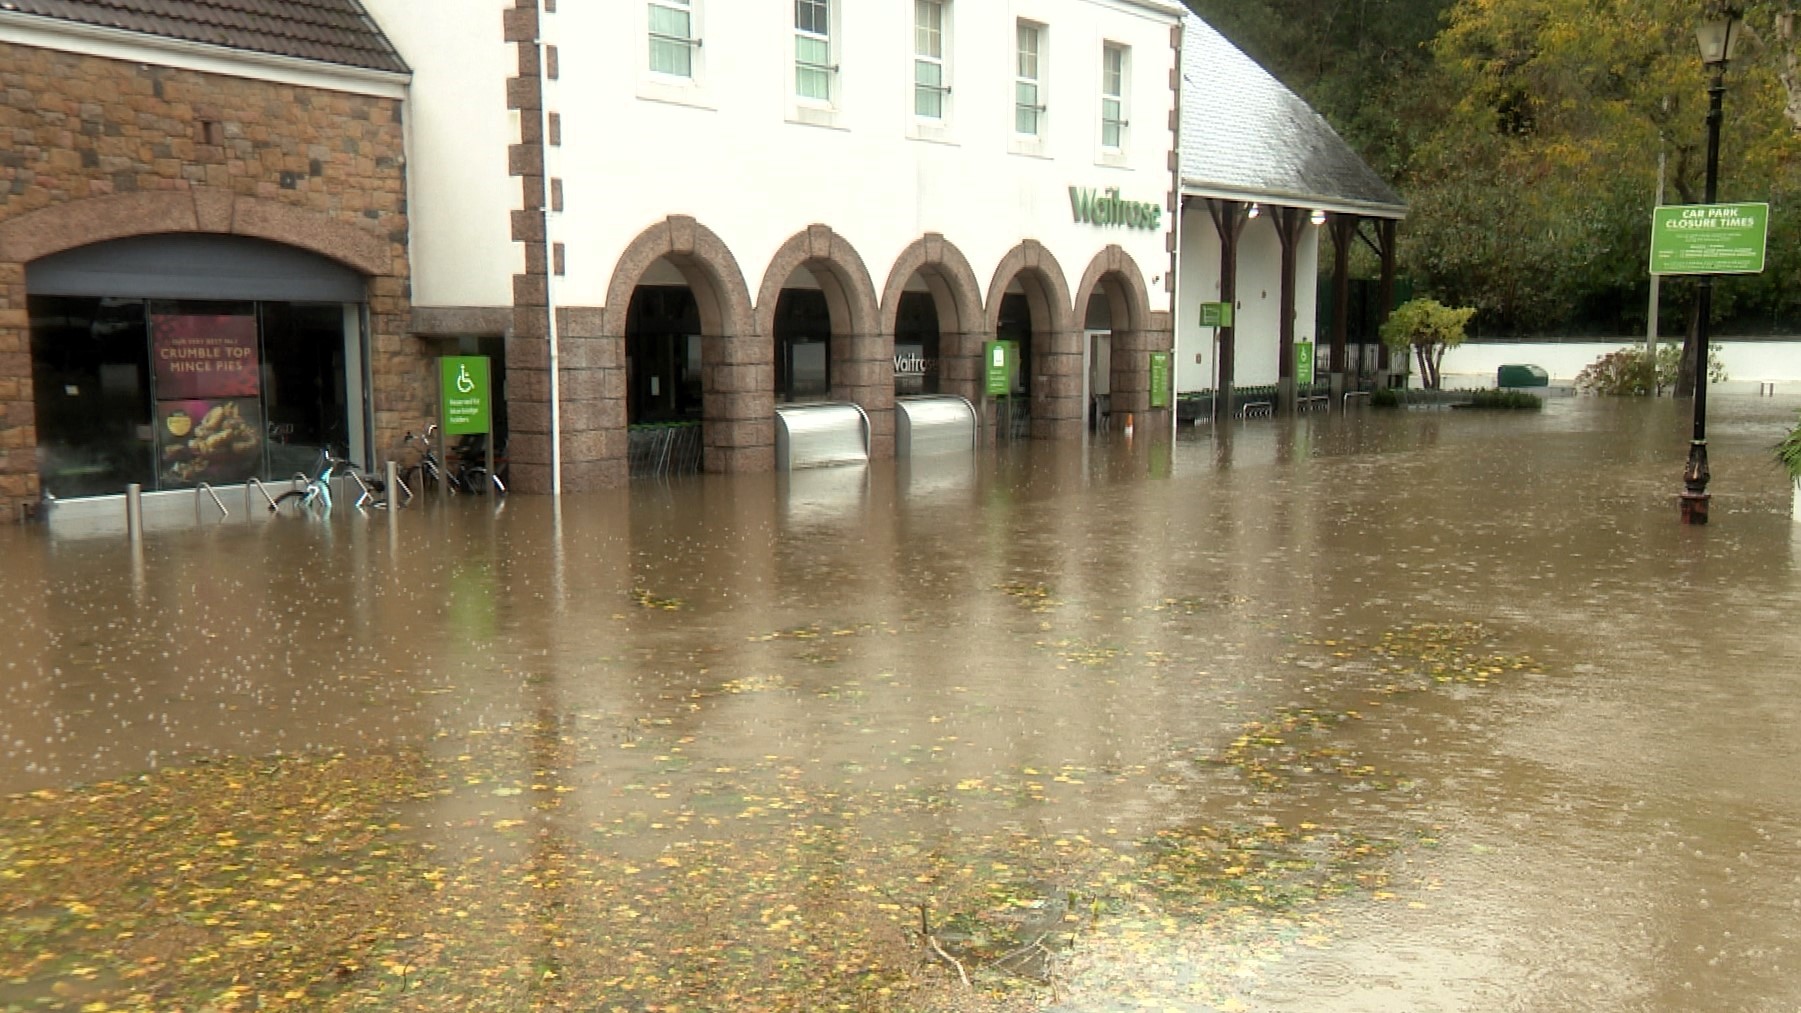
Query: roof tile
1244	132
328	31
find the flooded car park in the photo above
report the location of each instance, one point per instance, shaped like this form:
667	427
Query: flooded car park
1424	710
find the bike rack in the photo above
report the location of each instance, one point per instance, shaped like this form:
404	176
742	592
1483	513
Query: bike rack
257	484
1312	402
203	487
1345	405
1256	410
366	495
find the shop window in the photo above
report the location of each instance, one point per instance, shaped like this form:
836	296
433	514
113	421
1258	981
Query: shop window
1113	97
1028	87
91	376
815	70
803	329
931	80
673	39
663	349
916	344
168	394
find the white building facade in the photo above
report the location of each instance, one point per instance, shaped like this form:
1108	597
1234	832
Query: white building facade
687	212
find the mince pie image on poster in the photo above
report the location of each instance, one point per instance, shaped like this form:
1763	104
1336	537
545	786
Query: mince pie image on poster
209	408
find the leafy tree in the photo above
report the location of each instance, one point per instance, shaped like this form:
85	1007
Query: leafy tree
1429	328
1360	64
1525	136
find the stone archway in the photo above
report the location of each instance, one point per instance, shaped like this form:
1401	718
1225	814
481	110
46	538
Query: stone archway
958	299
860	359
739	428
1055	361
119	216
1114	274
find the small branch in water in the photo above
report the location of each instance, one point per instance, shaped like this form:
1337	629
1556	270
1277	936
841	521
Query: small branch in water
947	958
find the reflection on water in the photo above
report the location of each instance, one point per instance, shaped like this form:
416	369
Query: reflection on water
1288	657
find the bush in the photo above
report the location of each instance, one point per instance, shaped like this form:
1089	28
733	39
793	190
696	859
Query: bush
1385	397
1629	371
1517	400
1788	452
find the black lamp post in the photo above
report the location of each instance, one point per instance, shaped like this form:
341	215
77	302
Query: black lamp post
1717	36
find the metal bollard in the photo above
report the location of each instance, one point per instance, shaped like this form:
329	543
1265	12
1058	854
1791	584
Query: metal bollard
134	513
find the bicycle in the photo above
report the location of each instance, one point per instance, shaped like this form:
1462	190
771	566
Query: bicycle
314	492
428	468
471	474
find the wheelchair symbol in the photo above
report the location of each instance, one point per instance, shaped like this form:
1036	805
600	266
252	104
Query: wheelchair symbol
465	383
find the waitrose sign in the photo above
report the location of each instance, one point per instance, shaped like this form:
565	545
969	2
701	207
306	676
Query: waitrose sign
1108	208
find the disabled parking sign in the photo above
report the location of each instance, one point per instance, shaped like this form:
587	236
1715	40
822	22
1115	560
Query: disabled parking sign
463	390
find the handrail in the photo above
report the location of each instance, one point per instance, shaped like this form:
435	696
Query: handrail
203	487
257	484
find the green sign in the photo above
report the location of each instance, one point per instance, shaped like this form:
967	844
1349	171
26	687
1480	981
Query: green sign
1216	314
1160	379
1303	362
997	358
1709	238
463	386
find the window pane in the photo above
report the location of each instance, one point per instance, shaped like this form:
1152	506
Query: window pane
1025	114
1028	51
1112	123
928	31
670	26
928	93
812	75
671	58
817	52
669	21
812	16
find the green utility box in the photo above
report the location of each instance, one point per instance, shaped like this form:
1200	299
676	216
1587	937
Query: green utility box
1522	376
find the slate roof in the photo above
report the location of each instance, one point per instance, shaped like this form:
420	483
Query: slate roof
1245	135
326	31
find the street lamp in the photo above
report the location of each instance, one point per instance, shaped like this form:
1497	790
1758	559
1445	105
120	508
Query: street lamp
1717	35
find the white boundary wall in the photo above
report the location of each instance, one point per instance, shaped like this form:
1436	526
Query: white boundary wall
1747	362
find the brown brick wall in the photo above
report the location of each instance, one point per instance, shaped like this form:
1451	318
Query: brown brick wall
97	149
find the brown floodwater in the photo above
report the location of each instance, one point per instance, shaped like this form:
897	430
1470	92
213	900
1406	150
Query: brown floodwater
1615	825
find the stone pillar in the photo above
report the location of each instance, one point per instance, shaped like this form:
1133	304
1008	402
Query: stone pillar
591	386
739	404
18	414
863	372
1057	409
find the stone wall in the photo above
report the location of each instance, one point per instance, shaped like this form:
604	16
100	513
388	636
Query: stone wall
99	149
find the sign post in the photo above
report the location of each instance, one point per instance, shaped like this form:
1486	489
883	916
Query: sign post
467	403
1303	363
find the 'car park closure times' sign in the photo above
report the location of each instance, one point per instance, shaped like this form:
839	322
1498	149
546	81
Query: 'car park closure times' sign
1709	238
